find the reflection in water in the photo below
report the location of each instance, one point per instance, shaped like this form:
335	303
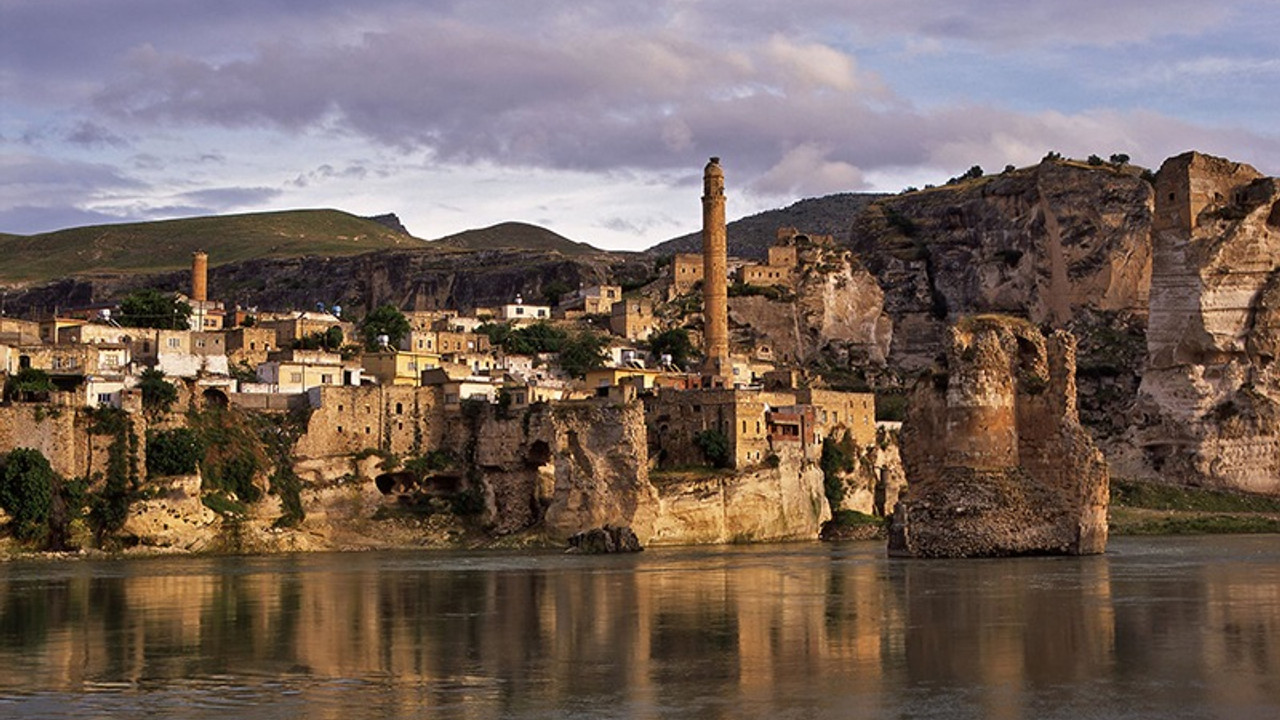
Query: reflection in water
1156	628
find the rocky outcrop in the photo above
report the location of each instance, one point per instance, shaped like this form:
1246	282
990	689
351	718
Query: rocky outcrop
1043	243
995	457
605	540
1209	411
173	516
836	311
762	504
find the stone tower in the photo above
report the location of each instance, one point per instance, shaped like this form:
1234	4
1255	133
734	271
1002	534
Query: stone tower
199	276
715	292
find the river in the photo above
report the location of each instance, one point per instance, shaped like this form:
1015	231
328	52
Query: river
1156	628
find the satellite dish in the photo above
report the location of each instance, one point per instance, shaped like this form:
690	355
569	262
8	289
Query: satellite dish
383	341
337	310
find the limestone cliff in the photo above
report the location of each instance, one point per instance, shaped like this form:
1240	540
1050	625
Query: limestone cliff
1209	411
836	311
576	466
1043	243
995	457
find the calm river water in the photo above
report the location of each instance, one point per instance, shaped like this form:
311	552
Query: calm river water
1160	628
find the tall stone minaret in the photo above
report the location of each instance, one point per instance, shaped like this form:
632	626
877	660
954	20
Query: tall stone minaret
715	291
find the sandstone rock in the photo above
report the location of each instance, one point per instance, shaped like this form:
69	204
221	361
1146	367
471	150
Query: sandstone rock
995	457
1209	411
174	517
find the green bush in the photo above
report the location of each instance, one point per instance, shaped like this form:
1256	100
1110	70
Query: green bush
158	394
173	452
28	384
714	446
26	492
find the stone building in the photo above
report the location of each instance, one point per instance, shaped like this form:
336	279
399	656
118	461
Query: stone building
686	273
349	419
249	345
632	319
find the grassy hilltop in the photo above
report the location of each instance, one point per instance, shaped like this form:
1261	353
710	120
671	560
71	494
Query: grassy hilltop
168	244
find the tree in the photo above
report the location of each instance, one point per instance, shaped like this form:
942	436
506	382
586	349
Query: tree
1119	159
26	492
674	342
385	320
150	308
1094	160
582	352
555	290
173	452
158	394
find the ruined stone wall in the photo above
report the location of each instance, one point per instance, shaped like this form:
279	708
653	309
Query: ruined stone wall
995	458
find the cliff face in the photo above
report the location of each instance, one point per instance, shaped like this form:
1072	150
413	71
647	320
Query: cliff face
1043	243
1209	411
837	311
995	457
411	279
583	465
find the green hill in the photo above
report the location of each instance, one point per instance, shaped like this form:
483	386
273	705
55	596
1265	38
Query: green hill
516	235
168	244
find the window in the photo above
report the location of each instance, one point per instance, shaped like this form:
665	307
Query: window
253	345
519	311
175	342
339	429
366	430
104	398
326	379
295	377
200	342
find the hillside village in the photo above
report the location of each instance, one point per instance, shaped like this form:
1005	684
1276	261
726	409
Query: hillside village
414	409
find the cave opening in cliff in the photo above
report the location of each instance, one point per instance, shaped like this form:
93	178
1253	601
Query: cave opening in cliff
539	454
215	397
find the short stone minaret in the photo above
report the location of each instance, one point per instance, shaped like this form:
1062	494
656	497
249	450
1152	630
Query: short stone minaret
199	276
715	291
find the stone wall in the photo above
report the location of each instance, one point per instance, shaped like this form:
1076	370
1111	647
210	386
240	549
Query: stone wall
995	458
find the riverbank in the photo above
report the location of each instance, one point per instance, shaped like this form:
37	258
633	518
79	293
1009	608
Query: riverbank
1139	508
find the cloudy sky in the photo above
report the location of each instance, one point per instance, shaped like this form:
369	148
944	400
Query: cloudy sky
595	118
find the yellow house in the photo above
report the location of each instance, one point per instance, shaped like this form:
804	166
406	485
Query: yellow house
399	367
609	377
